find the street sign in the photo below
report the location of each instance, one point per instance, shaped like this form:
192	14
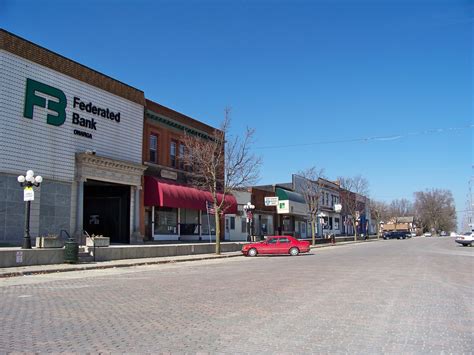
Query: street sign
28	194
271	201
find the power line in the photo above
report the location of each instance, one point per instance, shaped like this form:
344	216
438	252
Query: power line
373	139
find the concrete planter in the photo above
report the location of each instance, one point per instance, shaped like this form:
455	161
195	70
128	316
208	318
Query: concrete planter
98	242
49	242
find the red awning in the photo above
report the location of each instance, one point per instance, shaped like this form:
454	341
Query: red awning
168	194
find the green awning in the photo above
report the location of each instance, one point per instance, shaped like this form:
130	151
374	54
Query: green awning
289	195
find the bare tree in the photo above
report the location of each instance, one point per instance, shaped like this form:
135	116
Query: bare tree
380	212
221	164
310	187
435	210
353	197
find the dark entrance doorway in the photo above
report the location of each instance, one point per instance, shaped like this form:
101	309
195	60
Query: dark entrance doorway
107	210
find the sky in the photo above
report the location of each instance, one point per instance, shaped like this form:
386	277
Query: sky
377	88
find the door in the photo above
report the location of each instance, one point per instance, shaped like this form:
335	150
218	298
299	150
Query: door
230	233
269	247
107	211
284	245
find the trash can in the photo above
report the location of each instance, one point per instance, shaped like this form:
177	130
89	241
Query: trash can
71	251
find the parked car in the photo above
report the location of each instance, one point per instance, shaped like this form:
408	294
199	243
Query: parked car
281	244
396	235
427	234
413	234
466	239
443	234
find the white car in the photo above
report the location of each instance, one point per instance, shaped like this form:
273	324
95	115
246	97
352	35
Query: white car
427	234
466	239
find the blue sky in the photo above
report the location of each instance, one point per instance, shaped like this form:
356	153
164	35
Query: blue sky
304	74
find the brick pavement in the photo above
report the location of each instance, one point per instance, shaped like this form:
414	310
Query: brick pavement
392	296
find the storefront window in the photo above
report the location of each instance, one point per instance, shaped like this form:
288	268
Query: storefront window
266	225
189	222
336	223
287	224
208	223
166	220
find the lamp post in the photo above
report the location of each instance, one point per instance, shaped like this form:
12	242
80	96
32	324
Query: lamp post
380	229
248	208
27	182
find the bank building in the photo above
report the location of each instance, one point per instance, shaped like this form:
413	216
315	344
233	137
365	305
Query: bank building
83	132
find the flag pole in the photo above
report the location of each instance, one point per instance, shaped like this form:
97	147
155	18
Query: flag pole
208	222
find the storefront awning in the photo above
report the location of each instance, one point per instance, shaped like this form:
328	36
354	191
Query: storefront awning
168	194
290	202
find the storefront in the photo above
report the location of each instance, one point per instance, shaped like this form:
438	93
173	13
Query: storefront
79	129
293	213
179	212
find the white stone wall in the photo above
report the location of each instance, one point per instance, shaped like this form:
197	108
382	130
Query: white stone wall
49	150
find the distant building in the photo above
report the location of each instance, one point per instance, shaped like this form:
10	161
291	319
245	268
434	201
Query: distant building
400	224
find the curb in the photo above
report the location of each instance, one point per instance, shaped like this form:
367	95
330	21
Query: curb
85	267
110	266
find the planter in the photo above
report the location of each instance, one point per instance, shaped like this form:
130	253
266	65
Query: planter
49	242
98	242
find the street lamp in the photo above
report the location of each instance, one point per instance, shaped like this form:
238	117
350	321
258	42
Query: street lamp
248	208
380	229
27	182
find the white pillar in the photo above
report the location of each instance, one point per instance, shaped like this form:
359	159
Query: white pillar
136	236
80	209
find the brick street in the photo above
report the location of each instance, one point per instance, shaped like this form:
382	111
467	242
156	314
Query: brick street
392	296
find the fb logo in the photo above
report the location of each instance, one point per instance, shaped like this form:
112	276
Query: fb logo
32	99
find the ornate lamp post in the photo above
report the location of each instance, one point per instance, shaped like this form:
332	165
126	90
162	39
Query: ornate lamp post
29	195
248	208
380	231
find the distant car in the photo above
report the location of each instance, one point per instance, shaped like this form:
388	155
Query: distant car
413	234
277	245
466	239
443	234
396	235
427	234
454	234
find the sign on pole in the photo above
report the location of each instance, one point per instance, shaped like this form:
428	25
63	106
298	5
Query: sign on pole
28	194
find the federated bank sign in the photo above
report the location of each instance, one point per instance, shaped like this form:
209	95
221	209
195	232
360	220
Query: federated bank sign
86	116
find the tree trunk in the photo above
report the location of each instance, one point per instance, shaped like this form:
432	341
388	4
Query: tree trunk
218	231
313	236
355	231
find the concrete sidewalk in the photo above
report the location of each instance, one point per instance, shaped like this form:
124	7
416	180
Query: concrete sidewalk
46	269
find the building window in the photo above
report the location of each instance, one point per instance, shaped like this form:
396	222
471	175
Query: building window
189	222
166	220
243	226
153	151
173	154
208	223
181	156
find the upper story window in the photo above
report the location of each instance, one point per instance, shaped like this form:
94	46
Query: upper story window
181	156
153	148
173	154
